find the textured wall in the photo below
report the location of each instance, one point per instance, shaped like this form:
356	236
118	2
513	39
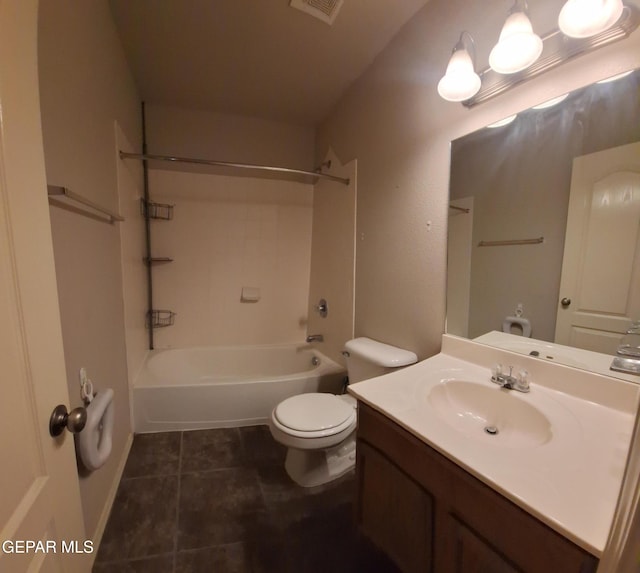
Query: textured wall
226	137
333	259
85	86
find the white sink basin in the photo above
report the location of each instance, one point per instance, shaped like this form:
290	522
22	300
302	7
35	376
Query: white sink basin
490	414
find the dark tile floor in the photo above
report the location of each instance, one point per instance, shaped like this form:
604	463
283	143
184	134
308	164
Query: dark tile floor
219	501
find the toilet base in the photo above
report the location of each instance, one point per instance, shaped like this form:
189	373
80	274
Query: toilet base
310	468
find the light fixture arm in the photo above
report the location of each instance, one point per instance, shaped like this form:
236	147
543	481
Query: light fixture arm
466	42
520	6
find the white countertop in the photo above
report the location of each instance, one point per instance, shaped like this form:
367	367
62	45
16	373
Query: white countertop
567	355
571	482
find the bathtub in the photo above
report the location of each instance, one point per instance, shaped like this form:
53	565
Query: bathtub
217	387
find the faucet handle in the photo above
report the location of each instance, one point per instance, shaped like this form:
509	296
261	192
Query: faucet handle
523	381
496	371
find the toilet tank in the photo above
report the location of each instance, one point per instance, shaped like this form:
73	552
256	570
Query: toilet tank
367	358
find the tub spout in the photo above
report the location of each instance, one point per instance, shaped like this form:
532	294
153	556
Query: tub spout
315	338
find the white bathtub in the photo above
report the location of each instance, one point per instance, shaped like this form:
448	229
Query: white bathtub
216	387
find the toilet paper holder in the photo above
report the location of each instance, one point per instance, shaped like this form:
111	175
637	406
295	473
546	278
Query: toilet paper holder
73	421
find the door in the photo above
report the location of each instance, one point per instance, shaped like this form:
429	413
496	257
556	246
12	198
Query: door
600	282
40	512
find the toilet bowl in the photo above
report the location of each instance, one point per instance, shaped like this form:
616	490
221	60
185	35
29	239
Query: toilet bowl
95	440
318	429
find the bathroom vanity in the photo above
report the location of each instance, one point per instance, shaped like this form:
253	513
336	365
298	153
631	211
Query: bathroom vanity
440	494
428	514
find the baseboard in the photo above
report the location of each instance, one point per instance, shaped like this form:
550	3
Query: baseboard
106	510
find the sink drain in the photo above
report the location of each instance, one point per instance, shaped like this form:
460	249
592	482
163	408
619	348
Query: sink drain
491	430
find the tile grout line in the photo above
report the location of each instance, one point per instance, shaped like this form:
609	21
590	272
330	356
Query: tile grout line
177	530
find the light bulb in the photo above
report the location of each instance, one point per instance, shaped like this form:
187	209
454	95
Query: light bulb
586	18
517	48
460	81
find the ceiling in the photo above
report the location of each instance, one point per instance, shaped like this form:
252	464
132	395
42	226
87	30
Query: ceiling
258	58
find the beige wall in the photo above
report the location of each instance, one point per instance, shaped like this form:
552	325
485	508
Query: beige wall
225	137
85	86
393	121
333	258
228	233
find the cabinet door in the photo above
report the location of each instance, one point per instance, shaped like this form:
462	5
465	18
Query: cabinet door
474	553
394	512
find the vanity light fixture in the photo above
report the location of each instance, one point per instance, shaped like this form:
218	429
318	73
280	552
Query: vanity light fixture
460	82
518	46
586	18
521	55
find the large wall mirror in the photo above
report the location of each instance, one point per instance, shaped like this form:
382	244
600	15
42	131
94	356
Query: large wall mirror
544	224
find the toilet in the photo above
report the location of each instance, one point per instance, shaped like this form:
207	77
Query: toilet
319	428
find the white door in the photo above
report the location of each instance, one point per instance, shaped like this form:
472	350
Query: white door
39	490
600	283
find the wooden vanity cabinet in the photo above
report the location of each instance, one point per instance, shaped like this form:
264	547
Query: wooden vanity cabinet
430	515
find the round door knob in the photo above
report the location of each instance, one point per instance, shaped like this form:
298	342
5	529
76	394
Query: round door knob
60	419
565	302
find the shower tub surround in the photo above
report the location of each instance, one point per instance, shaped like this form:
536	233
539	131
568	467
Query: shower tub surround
226	386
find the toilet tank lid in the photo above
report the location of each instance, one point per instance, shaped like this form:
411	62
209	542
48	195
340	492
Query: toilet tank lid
379	353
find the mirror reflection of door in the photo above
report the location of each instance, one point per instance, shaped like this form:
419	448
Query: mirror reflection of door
601	262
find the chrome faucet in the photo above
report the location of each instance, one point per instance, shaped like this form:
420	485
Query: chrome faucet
628	353
315	338
509	381
630	343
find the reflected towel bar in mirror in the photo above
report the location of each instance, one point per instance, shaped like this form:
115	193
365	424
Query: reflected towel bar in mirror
536	241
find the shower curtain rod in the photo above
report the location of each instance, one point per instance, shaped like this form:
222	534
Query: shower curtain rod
145	156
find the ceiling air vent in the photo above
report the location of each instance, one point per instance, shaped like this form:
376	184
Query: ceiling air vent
325	10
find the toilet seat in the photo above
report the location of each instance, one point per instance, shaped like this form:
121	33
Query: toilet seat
314	415
95	441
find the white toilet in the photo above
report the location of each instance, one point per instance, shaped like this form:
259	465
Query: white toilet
319	429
